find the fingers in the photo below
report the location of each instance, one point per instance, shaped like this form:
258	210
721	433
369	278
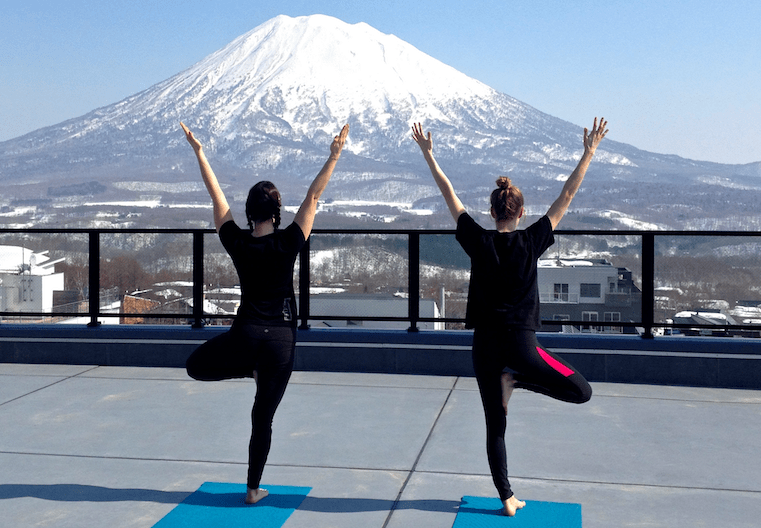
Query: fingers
417	133
341	137
188	133
599	130
603	127
344	133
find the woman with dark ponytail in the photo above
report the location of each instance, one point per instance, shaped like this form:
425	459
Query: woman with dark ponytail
262	339
503	302
263	204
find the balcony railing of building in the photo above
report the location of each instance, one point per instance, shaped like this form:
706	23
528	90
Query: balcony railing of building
642	250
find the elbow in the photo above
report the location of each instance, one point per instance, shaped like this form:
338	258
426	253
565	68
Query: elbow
312	199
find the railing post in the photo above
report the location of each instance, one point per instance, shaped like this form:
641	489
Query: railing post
414	280
94	278
197	279
304	286
648	284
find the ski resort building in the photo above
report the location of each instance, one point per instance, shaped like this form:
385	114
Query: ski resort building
27	280
588	290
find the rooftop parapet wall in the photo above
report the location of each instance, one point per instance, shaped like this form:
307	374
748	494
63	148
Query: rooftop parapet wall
693	361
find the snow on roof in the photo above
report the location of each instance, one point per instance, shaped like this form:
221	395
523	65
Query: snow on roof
14	259
561	263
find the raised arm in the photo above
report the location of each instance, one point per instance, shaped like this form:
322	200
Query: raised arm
222	212
572	184
307	211
445	186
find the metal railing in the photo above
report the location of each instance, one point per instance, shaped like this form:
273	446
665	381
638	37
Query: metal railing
647	258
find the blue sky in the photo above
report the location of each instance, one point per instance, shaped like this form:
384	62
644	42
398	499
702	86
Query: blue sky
677	77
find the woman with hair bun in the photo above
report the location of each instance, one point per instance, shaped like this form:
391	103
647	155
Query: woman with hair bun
503	302
262	339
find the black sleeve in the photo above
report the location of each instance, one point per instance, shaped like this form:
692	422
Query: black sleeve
541	235
468	233
229	235
293	239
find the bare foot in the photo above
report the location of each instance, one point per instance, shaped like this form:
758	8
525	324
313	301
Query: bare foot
512	505
508	384
255	495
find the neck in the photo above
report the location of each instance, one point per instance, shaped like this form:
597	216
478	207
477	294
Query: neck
507	226
264	228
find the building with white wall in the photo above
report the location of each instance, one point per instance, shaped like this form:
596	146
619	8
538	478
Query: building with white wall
27	280
588	290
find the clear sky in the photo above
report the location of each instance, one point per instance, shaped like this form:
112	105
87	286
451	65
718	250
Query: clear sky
675	77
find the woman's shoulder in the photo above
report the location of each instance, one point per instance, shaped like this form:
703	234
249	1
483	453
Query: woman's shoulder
465	222
543	224
229	230
292	231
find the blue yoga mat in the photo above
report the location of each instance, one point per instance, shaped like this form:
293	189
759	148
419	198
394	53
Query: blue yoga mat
486	512
216	504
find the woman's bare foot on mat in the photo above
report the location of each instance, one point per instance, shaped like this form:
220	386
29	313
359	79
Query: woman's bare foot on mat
255	495
512	505
508	384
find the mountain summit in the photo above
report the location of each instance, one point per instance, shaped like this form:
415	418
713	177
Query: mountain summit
268	103
292	82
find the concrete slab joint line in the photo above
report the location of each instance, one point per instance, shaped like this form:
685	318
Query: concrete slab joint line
420	454
4	402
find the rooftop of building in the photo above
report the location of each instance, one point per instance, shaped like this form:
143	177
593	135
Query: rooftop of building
87	446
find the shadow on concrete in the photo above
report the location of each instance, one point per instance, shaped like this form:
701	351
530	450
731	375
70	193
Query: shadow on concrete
347	505
86	493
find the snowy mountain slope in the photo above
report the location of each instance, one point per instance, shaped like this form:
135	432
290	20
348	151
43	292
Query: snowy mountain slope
267	105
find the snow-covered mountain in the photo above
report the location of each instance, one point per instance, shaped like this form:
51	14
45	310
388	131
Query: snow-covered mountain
267	105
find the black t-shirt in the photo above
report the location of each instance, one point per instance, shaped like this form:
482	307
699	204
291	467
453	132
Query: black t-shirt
503	288
265	268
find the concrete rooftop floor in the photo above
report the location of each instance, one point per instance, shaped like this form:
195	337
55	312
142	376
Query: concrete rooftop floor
84	446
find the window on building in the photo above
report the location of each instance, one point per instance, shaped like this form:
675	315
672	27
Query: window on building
27	293
590	316
560	318
560	292
613	317
590	290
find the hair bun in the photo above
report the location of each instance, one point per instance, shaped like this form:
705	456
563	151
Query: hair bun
503	182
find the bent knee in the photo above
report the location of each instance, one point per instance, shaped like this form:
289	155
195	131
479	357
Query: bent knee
585	395
192	368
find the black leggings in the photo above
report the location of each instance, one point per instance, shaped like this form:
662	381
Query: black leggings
534	368
236	354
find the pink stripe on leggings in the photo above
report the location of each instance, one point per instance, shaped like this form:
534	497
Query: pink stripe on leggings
554	363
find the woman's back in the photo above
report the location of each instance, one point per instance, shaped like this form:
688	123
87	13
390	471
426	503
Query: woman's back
503	282
265	268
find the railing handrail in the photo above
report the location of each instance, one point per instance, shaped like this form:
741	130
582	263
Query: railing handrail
648	237
368	231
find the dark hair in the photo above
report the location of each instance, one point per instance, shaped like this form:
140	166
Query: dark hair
263	203
506	200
